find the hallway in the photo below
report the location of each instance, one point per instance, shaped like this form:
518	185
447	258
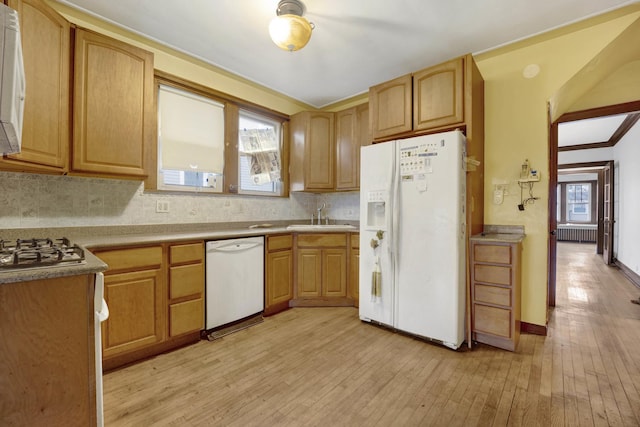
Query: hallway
596	329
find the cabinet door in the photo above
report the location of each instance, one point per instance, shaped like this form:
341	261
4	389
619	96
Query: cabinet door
438	98
113	111
136	311
334	272
46	50
279	277
354	276
347	150
319	152
309	280
363	132
390	105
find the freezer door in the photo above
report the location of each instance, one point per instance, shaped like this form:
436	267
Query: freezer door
376	187
430	297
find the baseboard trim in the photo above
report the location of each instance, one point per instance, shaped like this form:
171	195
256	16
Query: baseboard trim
630	274
530	328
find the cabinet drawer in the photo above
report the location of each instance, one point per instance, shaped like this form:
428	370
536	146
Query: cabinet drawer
275	243
186	253
185	280
492	274
492	320
186	317
315	240
497	254
492	295
123	259
355	240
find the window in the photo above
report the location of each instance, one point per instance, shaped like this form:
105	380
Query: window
190	141
259	154
578	202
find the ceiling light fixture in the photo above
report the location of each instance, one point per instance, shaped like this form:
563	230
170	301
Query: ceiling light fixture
289	30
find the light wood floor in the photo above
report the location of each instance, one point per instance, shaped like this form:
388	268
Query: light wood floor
322	366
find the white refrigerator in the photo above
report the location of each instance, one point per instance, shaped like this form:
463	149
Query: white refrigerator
412	236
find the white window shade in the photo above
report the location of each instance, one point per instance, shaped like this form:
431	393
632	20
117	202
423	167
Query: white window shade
191	131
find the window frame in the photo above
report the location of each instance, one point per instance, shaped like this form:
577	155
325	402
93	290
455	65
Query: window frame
232	106
562	202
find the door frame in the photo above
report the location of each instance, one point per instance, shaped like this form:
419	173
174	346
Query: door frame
610	110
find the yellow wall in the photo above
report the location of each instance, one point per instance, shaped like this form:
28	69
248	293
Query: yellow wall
516	128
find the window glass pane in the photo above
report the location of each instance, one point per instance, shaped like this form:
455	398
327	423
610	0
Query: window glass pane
259	154
579	202
559	203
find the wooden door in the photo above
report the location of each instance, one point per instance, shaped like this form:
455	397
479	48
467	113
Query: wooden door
319	152
309	278
279	277
347	150
438	98
113	111
136	311
334	272
390	105
607	242
46	50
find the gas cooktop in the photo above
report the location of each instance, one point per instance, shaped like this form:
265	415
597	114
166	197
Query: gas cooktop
34	253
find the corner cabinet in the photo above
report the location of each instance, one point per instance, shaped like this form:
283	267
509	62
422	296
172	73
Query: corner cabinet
46	50
325	149
278	273
113	107
321	272
495	293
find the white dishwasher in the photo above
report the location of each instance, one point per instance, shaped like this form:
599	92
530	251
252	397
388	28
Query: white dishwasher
235	280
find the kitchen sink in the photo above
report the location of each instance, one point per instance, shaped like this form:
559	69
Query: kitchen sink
336	227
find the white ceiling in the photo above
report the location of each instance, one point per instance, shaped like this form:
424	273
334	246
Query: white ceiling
589	131
355	44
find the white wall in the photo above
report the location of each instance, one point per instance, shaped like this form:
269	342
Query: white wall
626	157
585	156
35	201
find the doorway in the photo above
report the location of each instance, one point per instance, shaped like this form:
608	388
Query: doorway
622	117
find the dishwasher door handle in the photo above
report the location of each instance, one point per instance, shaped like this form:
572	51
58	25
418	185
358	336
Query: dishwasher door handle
234	247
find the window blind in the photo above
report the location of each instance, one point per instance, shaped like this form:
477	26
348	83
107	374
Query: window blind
191	131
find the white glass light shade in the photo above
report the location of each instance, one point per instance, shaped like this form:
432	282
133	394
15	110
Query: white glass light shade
290	32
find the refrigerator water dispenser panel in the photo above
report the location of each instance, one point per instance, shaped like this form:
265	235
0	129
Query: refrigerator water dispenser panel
377	210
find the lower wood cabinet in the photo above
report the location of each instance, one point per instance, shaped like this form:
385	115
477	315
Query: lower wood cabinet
321	270
47	358
354	269
155	296
495	293
278	273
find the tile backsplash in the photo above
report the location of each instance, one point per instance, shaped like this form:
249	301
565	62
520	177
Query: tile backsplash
34	201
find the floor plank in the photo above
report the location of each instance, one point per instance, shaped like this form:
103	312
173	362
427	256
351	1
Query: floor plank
322	366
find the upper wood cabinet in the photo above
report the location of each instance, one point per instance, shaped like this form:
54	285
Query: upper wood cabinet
325	149
347	150
390	104
436	98
312	148
47	57
113	114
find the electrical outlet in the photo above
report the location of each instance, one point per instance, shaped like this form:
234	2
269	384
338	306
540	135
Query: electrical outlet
162	206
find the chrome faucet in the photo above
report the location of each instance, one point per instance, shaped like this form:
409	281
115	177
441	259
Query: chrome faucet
320	212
